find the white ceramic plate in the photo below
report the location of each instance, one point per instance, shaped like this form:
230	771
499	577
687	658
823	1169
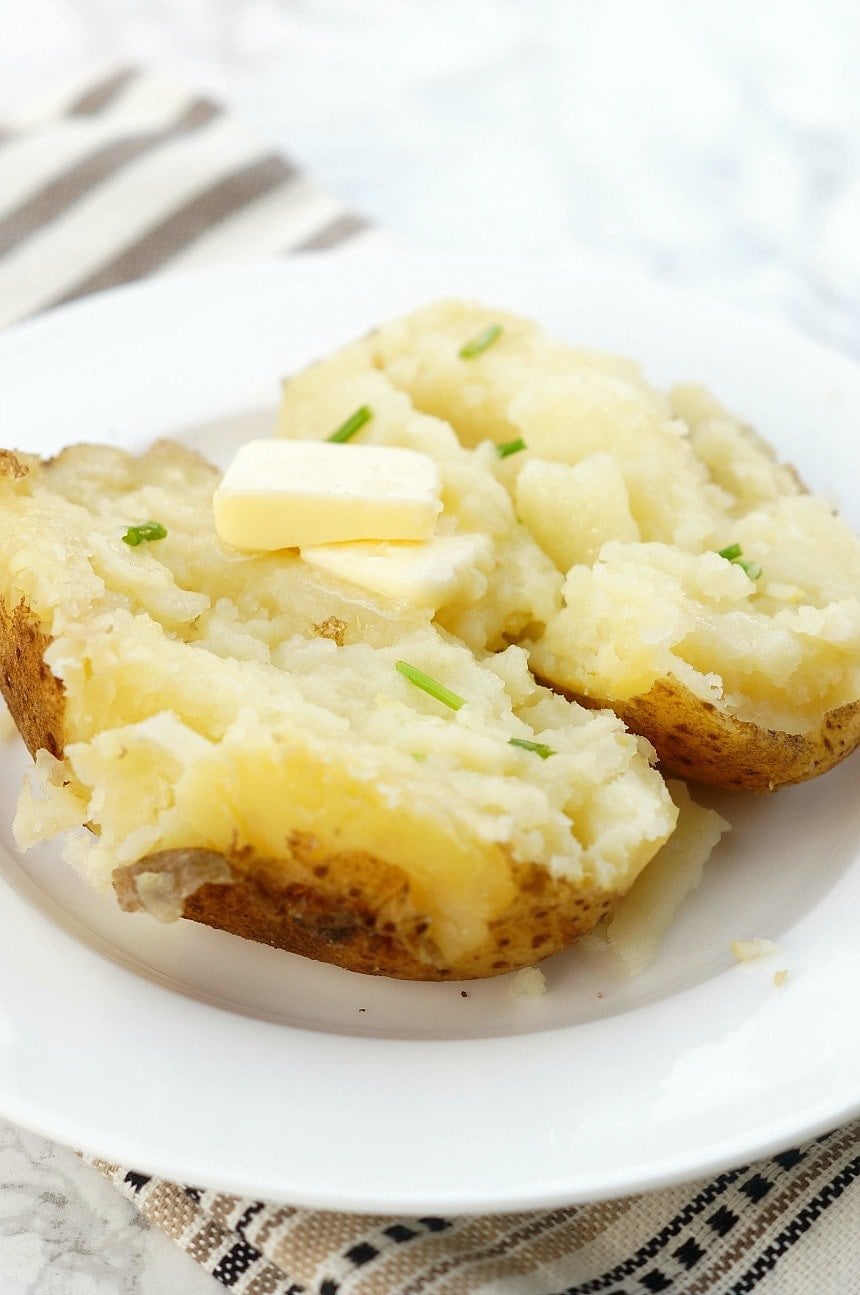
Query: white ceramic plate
186	1052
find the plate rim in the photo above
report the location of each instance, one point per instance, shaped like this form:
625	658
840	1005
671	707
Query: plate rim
730	1155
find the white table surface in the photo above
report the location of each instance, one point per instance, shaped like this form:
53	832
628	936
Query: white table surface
714	146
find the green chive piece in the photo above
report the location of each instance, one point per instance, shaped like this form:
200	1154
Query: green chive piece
481	343
431	686
420	756
145	533
353	424
511	447
732	553
539	748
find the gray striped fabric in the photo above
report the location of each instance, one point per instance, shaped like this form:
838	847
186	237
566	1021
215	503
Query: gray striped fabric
130	175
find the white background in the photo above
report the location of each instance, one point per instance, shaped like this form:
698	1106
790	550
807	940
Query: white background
715	145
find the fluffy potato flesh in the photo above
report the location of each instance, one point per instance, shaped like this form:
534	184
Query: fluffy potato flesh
234	733
631	494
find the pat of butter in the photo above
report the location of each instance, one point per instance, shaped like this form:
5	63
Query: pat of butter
290	494
426	575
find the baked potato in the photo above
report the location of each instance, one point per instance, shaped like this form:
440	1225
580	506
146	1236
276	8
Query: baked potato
227	737
708	600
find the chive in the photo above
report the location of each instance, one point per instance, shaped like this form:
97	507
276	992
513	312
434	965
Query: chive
353	424
511	447
431	686
420	756
539	748
732	553
481	343
144	533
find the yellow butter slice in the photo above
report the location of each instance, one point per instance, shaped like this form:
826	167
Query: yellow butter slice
293	494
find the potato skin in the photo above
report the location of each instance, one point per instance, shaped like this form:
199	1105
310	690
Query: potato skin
695	740
355	911
34	696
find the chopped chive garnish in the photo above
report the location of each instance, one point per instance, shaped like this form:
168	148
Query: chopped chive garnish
732	553
511	447
353	424
481	343
539	748
431	686
144	533
420	756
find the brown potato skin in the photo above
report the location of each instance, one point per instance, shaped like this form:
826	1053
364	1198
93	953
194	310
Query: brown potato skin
350	909
34	696
697	741
355	911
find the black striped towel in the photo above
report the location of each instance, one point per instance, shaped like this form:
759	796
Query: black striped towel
130	175
784	1226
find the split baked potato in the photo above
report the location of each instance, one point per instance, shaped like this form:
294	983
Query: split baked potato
230	737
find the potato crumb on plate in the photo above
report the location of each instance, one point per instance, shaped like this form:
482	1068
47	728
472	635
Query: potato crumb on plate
529	982
752	950
780	977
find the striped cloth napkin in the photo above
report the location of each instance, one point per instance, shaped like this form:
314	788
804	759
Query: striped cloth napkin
129	175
